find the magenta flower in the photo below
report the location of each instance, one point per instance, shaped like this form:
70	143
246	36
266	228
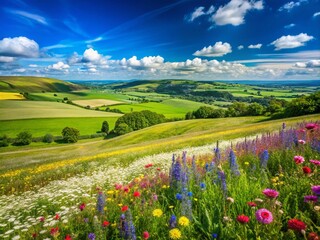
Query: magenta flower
316	189
315	162
298	159
270	193
311	198
311	126
301	141
264	216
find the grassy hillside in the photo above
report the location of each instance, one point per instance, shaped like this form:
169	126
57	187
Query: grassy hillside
41	126
10	109
36	84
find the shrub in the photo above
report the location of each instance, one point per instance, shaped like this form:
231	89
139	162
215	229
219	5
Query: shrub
48	138
23	138
105	127
70	135
4	141
122	128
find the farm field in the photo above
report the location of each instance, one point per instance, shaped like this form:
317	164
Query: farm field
41	109
11	96
41	126
96	102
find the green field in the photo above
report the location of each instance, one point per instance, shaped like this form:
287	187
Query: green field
54	126
171	108
41	109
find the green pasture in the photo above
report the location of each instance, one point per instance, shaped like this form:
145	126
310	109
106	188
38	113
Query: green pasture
170	108
41	109
40	127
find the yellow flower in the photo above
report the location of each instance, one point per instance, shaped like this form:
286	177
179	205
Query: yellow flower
109	199
157	213
164	186
113	224
175	233
171	207
246	163
195	199
110	192
184	221
281	175
120	204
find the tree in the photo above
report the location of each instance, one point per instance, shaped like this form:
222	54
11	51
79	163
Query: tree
70	135
153	118
105	127
4	141
255	109
218	113
23	138
203	112
122	128
237	109
189	115
134	120
48	138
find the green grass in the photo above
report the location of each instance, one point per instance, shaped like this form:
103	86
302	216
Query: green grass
38	109
54	126
170	108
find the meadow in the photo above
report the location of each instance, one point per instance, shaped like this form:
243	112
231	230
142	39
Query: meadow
259	188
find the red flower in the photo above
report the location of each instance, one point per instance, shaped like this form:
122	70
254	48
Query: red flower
68	237
54	232
34	235
148	165
136	194
105	224
124	208
82	206
126	189
296	224
243	219
42	219
118	186
313	236
252	204
56	217
307	170
145	235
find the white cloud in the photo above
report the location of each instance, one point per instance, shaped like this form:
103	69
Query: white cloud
91	55
309	64
30	16
217	50
150	62
290	5
240	47
257	46
210	10
289	41
59	66
234	12
289	26
200	11
19	47
6	59
316	14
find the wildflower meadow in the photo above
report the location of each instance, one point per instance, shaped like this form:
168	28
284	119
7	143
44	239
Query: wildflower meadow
266	187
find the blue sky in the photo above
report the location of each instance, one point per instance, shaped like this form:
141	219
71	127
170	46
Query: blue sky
144	39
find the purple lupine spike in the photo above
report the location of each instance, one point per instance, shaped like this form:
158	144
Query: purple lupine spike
264	159
101	202
233	164
222	178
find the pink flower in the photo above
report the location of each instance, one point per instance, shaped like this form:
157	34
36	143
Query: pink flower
243	219
315	162
316	189
298	159
145	235
270	193
311	198
311	126
264	216
252	204
82	206
302	141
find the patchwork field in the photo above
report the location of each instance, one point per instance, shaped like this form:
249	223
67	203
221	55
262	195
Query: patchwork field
11	96
96	102
40	109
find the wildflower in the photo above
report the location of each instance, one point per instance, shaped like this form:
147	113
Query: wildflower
278	203
41	219
184	221
118	186
302	142
316	208
311	126
91	236
155	197
171	206
68	237
145	235
158	169
243	219
157	213
124	208
148	165
82	206
251	204
86	220
310	198
306	170
233	164
227	219
214	235
101	202
298	159
136	194
179	196
126	189
56	217
315	162
202	185
222	177
172	221
105	223
54	232
246	163
296	224
281	211
313	236
34	235
270	193
258	200
264	159
316	189
230	199
175	233
264	216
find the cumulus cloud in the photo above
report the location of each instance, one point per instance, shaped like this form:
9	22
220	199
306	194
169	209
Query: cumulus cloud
316	14
289	26
240	47
234	12
6	59
290	5
150	62
217	50
91	55
289	41
310	64
59	66
257	46
19	47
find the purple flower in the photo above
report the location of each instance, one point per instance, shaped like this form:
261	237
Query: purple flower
101	202
315	162
173	221
270	193
264	216
222	178
233	164
179	196
202	185
264	159
310	198
316	189
91	236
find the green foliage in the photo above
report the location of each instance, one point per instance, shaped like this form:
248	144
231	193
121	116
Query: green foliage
48	138
105	127
152	117
189	115
122	128
70	135
23	138
4	141
237	109
255	109
203	112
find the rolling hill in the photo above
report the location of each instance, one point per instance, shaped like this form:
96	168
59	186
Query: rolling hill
36	84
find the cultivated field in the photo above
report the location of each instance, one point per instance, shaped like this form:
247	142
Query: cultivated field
11	96
96	102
